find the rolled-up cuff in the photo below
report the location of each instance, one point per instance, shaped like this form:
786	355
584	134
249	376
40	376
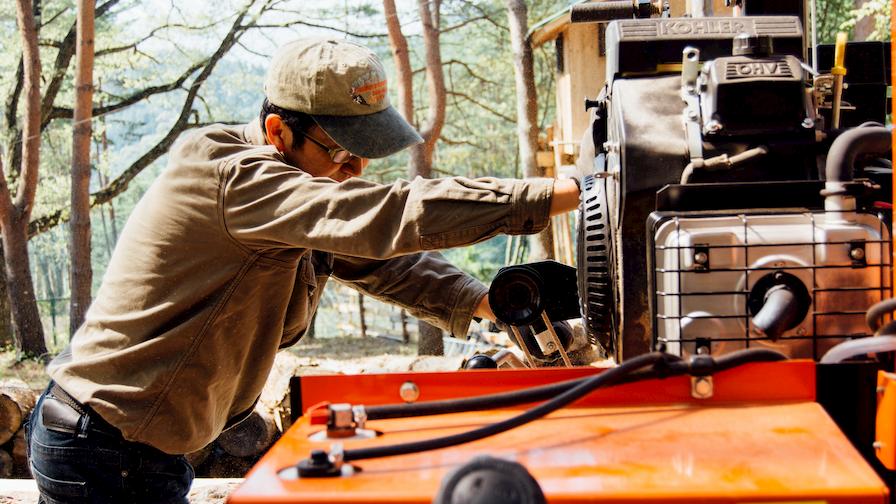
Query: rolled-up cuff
468	297
531	205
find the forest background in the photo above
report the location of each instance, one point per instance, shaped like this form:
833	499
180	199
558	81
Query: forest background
163	67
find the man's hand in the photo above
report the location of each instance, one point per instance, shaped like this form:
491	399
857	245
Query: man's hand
566	196
484	310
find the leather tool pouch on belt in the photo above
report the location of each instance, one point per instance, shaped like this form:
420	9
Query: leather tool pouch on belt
59	416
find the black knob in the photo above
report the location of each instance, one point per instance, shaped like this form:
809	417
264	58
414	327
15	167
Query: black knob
590	104
481	361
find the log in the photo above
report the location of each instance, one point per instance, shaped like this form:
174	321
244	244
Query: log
221	464
198	457
251	437
5	464
16	403
20	455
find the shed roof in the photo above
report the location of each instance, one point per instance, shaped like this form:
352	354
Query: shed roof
548	28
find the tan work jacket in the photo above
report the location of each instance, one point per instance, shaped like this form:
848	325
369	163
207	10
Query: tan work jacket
223	261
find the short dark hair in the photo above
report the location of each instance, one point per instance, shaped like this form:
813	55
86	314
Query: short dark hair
298	122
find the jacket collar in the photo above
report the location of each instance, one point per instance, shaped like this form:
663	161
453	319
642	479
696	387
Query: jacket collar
252	133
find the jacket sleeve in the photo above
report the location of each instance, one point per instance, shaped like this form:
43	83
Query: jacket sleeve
425	284
269	204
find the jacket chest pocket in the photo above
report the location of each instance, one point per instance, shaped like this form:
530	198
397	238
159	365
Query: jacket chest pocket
311	275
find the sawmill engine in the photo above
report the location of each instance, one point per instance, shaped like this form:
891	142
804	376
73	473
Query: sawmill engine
738	196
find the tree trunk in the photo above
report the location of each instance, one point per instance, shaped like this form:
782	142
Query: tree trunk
864	25
401	54
361	314
429	340
405	335
26	317
542	246
79	244
7	336
15	213
431	130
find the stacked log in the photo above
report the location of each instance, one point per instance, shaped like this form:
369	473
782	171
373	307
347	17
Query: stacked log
251	437
16	402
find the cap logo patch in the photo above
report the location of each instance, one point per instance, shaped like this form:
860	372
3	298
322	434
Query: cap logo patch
367	90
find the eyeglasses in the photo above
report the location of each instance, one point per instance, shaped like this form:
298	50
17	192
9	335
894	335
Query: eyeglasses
337	154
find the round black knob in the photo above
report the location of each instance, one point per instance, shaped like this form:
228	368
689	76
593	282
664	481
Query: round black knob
481	361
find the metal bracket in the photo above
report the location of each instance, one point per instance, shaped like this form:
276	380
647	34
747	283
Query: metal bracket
556	339
690	93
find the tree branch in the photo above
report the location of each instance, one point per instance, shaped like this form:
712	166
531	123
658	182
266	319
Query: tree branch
152	33
66	113
470	71
482	106
120	183
290	24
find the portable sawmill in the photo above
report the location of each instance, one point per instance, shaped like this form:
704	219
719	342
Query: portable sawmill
733	262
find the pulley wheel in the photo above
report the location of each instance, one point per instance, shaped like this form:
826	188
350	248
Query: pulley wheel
596	265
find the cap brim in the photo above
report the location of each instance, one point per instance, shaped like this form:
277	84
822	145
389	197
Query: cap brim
374	135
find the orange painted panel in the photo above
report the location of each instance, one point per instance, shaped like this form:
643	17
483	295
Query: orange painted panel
783	381
885	431
676	449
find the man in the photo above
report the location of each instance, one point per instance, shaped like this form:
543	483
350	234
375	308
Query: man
223	262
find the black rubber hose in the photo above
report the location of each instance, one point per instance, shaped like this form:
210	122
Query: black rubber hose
493	401
670	366
846	148
746	356
608	377
874	314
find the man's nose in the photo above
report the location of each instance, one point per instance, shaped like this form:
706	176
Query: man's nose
355	166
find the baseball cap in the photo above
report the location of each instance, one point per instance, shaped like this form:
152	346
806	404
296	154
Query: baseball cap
342	86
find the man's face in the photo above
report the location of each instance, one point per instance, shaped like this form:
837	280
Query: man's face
311	157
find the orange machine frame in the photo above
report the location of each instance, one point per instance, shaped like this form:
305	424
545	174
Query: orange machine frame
760	438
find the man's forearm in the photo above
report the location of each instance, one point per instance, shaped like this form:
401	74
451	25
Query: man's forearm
565	198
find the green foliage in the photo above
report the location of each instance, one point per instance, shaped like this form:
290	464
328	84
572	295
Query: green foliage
844	15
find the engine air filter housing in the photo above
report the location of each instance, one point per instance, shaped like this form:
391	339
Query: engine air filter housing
711	274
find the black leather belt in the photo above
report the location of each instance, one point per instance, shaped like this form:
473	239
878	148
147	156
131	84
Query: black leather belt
61	412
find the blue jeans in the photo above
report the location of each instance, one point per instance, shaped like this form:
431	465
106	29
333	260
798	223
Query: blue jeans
97	465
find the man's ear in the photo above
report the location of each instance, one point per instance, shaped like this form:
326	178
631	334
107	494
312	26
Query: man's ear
273	125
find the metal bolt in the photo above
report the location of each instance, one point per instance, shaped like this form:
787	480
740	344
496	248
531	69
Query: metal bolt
124	474
881	390
701	387
801	331
701	257
878	445
857	253
409	391
808	123
692	115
